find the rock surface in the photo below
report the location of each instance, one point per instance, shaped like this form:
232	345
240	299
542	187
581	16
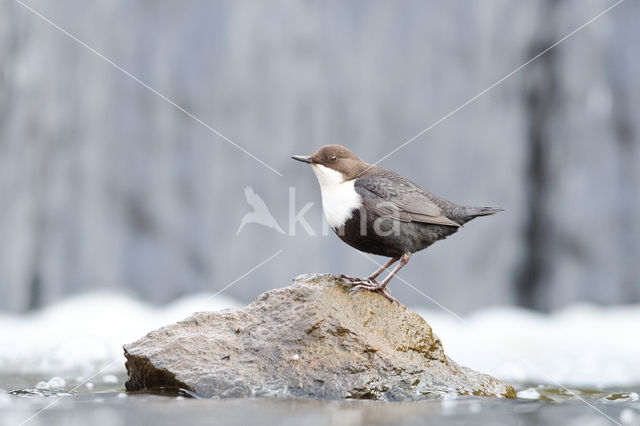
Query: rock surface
314	338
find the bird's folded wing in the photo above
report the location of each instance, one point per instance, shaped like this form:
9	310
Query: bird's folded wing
400	199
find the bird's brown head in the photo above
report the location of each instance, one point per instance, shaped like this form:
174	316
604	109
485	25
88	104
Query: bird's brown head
337	158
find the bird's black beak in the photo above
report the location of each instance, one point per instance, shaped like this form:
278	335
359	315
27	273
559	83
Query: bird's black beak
303	158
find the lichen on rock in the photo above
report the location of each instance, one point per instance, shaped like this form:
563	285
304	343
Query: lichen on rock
314	338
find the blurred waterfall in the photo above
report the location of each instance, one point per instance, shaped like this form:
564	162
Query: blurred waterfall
105	185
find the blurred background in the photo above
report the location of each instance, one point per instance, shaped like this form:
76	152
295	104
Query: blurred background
104	185
131	130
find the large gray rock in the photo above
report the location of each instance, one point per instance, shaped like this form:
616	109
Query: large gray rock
314	338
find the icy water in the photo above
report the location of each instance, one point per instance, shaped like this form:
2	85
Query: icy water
579	366
108	404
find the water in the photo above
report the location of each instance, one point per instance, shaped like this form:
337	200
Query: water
109	405
565	366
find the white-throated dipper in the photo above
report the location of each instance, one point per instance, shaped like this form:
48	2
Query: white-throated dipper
377	211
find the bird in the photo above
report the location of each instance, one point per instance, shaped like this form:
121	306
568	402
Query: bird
260	213
379	211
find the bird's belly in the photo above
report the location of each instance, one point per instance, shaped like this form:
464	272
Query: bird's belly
390	237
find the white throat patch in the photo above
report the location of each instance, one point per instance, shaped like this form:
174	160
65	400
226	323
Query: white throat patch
339	198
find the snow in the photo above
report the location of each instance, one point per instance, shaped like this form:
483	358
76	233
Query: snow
83	336
80	339
580	345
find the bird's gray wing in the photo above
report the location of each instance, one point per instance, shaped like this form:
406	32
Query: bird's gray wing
388	194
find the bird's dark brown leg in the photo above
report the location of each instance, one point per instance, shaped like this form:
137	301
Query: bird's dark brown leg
350	279
372	277
380	288
404	259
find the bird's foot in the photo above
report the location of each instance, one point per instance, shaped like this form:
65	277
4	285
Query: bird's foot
369	284
348	278
373	285
357	281
364	284
387	295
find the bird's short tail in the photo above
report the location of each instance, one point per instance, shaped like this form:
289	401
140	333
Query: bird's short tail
473	212
485	211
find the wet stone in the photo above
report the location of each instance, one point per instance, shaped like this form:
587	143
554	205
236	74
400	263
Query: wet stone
315	338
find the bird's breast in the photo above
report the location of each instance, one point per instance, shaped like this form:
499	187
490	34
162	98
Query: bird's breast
339	201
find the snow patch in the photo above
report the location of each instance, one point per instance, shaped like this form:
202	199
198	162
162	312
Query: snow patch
581	345
83	335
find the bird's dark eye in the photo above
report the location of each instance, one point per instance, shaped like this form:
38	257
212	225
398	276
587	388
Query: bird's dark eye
332	157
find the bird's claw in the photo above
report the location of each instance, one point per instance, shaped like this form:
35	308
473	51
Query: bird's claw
369	284
348	278
358	281
386	294
373	285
